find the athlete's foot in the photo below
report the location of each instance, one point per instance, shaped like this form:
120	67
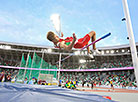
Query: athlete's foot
90	54
96	52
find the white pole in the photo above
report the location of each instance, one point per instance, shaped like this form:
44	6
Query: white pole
20	64
31	66
131	39
26	65
41	61
21	60
59	66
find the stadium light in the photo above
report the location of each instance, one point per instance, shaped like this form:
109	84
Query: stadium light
1	46
82	61
44	50
107	51
116	50
112	51
123	50
49	50
5	47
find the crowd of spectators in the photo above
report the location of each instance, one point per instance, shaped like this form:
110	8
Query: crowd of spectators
95	64
11	75
118	79
98	64
9	62
8	75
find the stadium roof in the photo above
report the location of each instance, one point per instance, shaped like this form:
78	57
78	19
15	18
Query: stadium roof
116	47
43	46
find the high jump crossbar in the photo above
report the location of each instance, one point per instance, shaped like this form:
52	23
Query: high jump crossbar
85	47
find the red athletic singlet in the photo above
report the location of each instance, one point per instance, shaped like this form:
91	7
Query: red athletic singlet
80	42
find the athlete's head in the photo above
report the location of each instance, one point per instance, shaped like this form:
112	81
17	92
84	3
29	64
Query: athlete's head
51	36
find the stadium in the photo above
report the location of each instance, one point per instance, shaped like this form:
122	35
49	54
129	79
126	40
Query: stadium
22	63
38	63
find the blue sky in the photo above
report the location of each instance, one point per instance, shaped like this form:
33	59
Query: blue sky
28	21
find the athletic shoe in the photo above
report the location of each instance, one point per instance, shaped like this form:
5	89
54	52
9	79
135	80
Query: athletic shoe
90	54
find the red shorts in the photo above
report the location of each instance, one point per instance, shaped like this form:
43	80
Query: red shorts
82	41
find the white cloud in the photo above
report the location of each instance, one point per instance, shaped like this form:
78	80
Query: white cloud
28	29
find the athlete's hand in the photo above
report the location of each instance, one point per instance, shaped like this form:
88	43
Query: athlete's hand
74	37
62	34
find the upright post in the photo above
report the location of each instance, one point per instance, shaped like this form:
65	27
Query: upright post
131	39
59	64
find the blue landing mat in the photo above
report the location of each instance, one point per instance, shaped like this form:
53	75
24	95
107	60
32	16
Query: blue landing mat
13	92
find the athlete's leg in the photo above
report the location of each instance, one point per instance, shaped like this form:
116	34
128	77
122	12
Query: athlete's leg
92	34
88	51
88	48
82	41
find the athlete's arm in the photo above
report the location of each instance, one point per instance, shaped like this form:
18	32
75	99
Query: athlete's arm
68	47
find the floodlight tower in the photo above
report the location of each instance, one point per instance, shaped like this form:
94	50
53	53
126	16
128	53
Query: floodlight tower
131	39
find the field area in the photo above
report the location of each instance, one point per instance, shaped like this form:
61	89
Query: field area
120	95
12	92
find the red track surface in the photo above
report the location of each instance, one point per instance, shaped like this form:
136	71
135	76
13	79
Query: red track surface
104	89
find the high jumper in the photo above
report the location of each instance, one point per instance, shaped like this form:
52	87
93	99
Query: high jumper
86	46
72	42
